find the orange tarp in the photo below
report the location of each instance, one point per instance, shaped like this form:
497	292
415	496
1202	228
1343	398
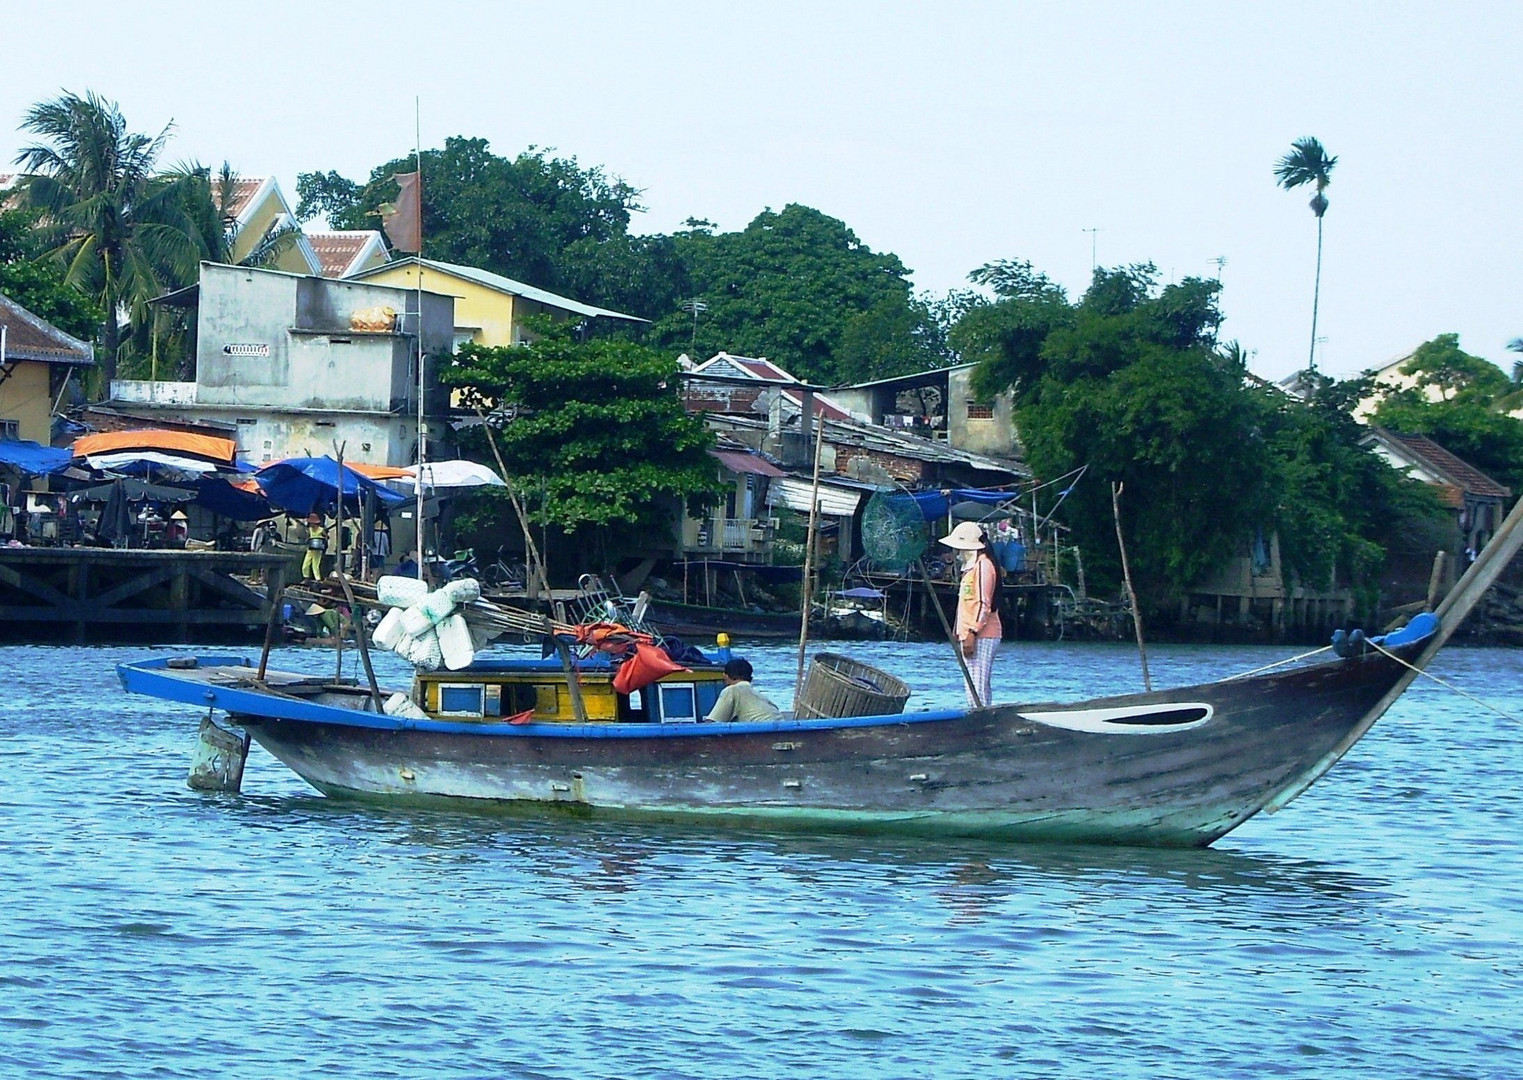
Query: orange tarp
376	472
207	446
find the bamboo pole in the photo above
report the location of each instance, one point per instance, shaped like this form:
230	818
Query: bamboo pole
946	627
531	550
1131	594
814	518
356	622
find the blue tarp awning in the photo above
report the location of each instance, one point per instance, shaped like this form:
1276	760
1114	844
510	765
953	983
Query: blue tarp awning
34	459
302	485
937	504
220	497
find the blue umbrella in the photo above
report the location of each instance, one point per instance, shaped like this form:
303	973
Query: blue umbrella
302	485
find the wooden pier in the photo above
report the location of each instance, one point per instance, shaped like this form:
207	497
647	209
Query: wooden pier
96	595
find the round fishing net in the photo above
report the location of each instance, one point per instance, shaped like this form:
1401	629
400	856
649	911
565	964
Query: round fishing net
894	532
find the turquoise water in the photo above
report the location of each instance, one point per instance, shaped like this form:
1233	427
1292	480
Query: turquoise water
1372	929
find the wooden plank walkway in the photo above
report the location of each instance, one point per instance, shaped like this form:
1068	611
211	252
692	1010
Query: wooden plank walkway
96	595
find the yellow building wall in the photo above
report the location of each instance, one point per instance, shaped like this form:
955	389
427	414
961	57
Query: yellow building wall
486	314
24	398
258	226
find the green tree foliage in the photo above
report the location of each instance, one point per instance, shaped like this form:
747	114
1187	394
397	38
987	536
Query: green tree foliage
121	230
41	289
593	433
1130	381
1468	417
798	287
537	218
38	285
1339	506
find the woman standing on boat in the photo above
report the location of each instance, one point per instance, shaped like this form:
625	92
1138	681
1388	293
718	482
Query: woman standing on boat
978	627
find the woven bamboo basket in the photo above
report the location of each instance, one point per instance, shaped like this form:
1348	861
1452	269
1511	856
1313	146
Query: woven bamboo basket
838	686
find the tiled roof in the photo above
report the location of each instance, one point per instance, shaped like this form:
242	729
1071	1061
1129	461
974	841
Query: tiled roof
28	337
244	189
336	251
1453	469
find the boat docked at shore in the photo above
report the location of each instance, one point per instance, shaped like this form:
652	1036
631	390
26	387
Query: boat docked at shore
1178	767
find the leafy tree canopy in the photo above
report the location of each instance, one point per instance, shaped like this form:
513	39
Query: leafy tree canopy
41	289
537	218
798	287
593	433
1131	382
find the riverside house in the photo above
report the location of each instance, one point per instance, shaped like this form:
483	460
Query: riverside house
294	363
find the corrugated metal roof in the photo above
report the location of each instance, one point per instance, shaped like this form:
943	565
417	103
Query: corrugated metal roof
742	461
837	500
505	285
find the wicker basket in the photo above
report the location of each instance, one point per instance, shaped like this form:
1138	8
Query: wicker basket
838	686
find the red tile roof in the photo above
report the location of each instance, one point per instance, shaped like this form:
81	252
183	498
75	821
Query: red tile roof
1459	473
243	191
336	251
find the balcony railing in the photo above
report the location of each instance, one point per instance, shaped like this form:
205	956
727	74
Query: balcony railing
727	534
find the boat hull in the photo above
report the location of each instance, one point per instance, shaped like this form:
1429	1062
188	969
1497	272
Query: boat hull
1100	771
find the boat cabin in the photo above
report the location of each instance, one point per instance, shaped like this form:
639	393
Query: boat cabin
492	690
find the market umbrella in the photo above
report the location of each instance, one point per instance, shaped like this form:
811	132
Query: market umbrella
451	474
115	521
302	485
134	491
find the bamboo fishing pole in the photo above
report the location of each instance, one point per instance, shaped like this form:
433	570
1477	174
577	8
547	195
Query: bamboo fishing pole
356	620
1131	594
809	540
531	551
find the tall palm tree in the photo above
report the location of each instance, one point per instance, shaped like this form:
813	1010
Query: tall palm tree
121	230
1308	163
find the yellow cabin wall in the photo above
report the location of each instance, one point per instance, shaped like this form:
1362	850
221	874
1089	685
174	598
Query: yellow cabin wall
485	314
24	398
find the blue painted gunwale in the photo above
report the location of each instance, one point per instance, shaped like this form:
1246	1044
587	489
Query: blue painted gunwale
155	678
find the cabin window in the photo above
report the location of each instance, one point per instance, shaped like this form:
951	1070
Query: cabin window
461	699
679	705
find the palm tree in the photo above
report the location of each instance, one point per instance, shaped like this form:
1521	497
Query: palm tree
1308	163
121	231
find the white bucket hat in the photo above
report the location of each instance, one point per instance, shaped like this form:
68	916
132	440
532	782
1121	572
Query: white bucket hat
969	536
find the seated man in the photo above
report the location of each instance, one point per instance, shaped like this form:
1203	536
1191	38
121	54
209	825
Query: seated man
738	701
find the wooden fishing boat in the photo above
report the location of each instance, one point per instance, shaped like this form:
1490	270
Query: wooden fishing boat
1178	767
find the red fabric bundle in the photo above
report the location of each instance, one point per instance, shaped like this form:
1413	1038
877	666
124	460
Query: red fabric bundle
648	664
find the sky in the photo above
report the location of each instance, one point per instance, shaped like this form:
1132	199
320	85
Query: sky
951	134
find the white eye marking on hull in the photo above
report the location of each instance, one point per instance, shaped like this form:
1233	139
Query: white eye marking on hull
1164	717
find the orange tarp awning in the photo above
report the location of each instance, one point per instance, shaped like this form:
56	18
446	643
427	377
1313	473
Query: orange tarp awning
376	472
207	446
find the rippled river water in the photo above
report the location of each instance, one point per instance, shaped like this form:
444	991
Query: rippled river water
1372	929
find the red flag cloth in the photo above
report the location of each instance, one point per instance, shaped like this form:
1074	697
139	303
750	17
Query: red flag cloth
521	718
403	219
648	664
